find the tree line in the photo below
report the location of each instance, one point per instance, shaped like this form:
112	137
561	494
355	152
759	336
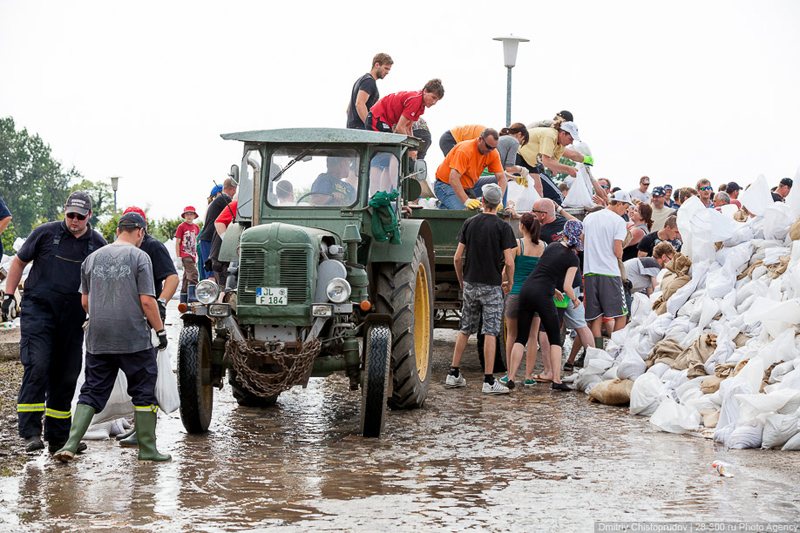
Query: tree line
35	187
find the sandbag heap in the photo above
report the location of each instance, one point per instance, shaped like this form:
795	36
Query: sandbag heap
714	352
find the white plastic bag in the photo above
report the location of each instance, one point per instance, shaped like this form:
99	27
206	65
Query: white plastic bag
167	384
581	191
745	436
631	366
757	197
119	403
793	444
674	418
646	394
784	401
523	197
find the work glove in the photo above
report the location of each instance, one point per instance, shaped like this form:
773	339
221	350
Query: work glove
9	302
472	203
588	160
522	180
162	309
162	339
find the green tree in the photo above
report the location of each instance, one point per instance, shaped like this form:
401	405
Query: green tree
34	185
163	229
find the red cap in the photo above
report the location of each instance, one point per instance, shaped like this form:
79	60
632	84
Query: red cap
188	209
137	210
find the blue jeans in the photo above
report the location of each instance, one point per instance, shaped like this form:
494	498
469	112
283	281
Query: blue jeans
205	252
447	196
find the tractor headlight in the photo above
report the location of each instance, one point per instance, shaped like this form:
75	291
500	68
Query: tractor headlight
338	290
206	292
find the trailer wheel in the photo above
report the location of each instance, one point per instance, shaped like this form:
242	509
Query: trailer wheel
405	291
375	380
244	397
194	378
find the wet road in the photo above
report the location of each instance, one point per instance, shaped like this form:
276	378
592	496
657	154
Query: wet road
537	460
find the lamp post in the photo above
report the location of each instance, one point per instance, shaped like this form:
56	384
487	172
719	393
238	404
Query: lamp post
114	185
510	45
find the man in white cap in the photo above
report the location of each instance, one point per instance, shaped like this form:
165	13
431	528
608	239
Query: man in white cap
485	245
544	149
604	233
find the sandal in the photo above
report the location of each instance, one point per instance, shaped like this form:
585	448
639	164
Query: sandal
538	377
560	386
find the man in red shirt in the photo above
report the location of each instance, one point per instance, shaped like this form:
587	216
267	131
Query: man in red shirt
459	173
398	111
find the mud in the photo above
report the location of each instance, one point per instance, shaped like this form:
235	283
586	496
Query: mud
534	460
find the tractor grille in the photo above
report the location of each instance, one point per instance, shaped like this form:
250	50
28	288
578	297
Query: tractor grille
293	274
252	267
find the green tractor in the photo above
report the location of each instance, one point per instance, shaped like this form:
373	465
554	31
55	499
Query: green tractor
323	277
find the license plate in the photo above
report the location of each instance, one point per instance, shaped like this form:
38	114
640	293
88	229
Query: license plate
271	295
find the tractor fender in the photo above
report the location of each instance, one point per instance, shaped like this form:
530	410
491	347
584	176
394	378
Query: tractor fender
410	229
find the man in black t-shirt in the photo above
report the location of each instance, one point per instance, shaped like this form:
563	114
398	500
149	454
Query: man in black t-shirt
484	274
365	91
668	234
206	236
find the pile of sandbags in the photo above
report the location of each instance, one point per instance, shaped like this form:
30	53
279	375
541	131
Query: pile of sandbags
715	352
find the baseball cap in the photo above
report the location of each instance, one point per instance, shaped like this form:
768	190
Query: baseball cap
566	115
732	186
622	196
215	190
132	220
570	128
492	193
78	202
787	181
137	210
659	191
188	209
667	187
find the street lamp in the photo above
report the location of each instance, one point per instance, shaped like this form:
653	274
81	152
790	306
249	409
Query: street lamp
114	185
510	45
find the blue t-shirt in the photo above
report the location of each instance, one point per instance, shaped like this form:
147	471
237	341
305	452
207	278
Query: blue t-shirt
342	193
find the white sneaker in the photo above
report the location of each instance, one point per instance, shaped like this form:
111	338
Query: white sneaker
495	388
453	382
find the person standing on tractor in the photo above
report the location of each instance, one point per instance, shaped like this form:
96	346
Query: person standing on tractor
52	322
489	246
365	91
397	112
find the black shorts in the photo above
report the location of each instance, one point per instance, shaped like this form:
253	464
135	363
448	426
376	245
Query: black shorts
376	124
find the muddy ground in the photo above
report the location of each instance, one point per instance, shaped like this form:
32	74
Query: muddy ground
534	460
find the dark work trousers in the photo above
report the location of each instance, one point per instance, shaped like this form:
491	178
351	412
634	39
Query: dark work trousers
51	344
140	369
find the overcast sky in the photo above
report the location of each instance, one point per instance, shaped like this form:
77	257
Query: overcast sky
675	90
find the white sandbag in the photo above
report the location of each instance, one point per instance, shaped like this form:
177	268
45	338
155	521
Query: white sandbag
658	369
597	360
119	403
720	282
778	429
712	226
772	256
784	401
777	220
682	295
677	380
107	430
631	366
167	384
710	308
674	418
641	308
730	410
581	191
586	381
757	197
646	394
781	370
687	210
618	337
792	445
780	349
745	436
776	317
690	390
743	233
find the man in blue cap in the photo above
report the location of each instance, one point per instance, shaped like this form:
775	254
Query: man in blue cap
224	196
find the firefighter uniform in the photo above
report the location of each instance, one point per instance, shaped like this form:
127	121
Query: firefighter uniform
51	337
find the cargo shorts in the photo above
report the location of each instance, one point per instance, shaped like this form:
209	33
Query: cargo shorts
484	302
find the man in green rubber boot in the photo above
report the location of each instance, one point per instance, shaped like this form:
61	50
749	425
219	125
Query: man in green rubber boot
117	291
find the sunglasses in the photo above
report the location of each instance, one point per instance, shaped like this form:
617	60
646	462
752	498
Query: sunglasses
605	187
707	188
487	145
76	215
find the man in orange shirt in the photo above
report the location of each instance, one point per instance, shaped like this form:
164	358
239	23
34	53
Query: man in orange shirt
459	174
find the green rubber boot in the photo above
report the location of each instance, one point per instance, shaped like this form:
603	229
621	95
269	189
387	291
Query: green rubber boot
146	433
80	423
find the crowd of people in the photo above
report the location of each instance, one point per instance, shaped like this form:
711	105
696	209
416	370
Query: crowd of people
560	270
